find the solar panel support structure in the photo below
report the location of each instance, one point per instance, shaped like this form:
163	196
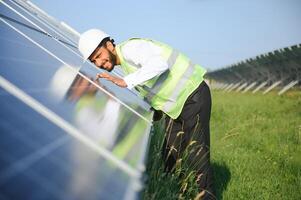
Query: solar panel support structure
249	87
287	87
275	84
259	87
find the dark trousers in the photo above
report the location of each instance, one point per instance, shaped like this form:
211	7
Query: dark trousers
189	136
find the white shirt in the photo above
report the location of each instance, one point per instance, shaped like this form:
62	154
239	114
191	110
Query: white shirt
148	56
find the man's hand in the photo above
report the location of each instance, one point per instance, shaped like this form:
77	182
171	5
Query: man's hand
118	81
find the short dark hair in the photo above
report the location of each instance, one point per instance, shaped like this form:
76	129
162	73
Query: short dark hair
104	41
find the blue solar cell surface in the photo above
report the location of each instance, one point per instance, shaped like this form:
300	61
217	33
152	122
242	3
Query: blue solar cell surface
39	158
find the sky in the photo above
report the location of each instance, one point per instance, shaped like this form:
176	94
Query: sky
213	33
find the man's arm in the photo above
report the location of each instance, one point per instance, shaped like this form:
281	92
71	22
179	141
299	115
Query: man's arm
142	53
152	67
148	56
118	81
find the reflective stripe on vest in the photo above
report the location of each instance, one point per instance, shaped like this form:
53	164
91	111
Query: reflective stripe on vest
169	91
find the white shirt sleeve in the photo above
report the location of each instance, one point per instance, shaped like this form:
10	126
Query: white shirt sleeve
148	56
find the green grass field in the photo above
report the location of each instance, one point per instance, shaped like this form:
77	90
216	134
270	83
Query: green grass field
255	150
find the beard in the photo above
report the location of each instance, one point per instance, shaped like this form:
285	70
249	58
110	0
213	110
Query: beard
112	59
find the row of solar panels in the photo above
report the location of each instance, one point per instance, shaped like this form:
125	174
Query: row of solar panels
64	134
280	68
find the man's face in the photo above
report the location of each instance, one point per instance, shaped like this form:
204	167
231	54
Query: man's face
103	58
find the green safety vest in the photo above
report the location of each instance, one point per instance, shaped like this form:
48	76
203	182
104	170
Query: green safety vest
169	91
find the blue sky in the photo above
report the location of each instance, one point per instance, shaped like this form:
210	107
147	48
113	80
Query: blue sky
213	33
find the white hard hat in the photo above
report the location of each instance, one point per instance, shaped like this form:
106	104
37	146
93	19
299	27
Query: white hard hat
89	41
61	81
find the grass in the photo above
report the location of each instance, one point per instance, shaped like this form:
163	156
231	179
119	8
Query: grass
255	150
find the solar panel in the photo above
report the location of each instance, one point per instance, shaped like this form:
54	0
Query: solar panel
278	69
24	10
40	161
64	134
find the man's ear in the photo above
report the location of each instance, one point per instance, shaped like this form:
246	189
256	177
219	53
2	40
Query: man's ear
109	45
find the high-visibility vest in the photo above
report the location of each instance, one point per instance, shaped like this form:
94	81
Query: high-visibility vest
169	91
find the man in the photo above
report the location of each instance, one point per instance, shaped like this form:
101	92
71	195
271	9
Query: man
171	83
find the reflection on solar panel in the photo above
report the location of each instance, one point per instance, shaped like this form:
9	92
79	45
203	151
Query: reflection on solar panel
64	134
